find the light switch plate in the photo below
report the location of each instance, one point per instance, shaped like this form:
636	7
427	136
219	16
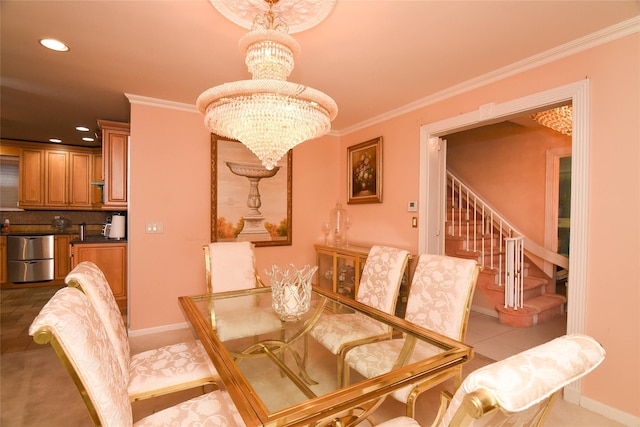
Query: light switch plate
412	206
154	228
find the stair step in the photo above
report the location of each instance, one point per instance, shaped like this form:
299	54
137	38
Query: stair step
545	302
535	310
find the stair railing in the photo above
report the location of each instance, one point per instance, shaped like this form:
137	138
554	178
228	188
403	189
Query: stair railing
482	221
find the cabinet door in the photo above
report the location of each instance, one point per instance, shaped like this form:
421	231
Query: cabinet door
61	255
56	178
3	259
79	180
326	270
111	258
31	182
346	274
96	176
114	163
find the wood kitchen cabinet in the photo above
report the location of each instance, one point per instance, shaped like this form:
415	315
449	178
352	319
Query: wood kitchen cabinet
3	259
55	178
80	191
31	184
111	258
115	144
62	254
67	179
96	177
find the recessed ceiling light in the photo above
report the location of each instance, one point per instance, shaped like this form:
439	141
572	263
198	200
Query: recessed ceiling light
54	44
82	128
55	140
87	139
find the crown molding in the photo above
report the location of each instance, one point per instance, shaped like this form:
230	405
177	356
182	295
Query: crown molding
162	103
590	41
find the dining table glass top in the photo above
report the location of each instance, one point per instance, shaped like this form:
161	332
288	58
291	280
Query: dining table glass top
278	374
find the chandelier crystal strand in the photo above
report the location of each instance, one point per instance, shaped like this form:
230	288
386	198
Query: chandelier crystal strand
268	114
559	119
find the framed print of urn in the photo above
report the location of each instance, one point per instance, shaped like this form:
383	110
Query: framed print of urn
249	202
364	175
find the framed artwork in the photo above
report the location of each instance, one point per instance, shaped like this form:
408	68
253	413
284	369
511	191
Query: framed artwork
364	163
248	202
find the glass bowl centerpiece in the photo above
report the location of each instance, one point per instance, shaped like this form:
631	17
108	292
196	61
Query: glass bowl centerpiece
291	291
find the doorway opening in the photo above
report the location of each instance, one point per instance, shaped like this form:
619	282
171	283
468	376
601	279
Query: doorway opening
433	169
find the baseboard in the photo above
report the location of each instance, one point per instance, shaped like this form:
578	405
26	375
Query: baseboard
158	329
601	409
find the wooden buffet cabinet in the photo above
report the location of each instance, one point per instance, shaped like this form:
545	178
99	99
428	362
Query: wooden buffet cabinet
340	269
111	258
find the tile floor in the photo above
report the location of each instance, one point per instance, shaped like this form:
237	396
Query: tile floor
497	341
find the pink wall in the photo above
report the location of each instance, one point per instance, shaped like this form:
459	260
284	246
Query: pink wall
165	266
170	183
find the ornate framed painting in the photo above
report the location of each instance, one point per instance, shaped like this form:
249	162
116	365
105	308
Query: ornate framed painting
364	163
249	202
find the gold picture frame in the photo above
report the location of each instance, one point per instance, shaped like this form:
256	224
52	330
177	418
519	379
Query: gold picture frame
364	164
249	203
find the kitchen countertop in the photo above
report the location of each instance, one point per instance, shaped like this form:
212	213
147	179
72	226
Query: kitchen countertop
38	233
96	239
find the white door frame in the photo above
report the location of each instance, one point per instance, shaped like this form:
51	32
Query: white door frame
578	94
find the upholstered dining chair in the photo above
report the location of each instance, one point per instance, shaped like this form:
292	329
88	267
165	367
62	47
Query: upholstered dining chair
378	288
153	372
519	390
70	323
230	266
439	300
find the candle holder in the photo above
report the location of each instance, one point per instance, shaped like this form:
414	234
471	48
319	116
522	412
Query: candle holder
291	291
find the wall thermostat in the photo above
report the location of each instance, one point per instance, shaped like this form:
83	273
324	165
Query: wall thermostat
412	206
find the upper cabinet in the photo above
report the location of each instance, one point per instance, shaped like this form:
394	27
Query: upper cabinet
31	182
55	178
115	144
68	177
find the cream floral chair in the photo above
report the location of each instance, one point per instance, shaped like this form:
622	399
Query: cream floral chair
76	332
439	300
519	390
378	288
230	266
150	373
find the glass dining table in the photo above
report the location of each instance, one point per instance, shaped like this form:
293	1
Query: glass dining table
278	375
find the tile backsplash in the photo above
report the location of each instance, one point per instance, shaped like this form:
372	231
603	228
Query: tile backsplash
43	219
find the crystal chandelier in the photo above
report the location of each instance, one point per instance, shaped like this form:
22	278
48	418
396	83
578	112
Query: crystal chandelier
268	114
559	119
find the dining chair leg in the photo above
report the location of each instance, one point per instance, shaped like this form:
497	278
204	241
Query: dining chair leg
346	375
428	384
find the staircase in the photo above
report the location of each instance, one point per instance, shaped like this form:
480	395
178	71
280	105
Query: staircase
475	235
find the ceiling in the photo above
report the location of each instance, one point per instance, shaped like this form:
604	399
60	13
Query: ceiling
371	56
